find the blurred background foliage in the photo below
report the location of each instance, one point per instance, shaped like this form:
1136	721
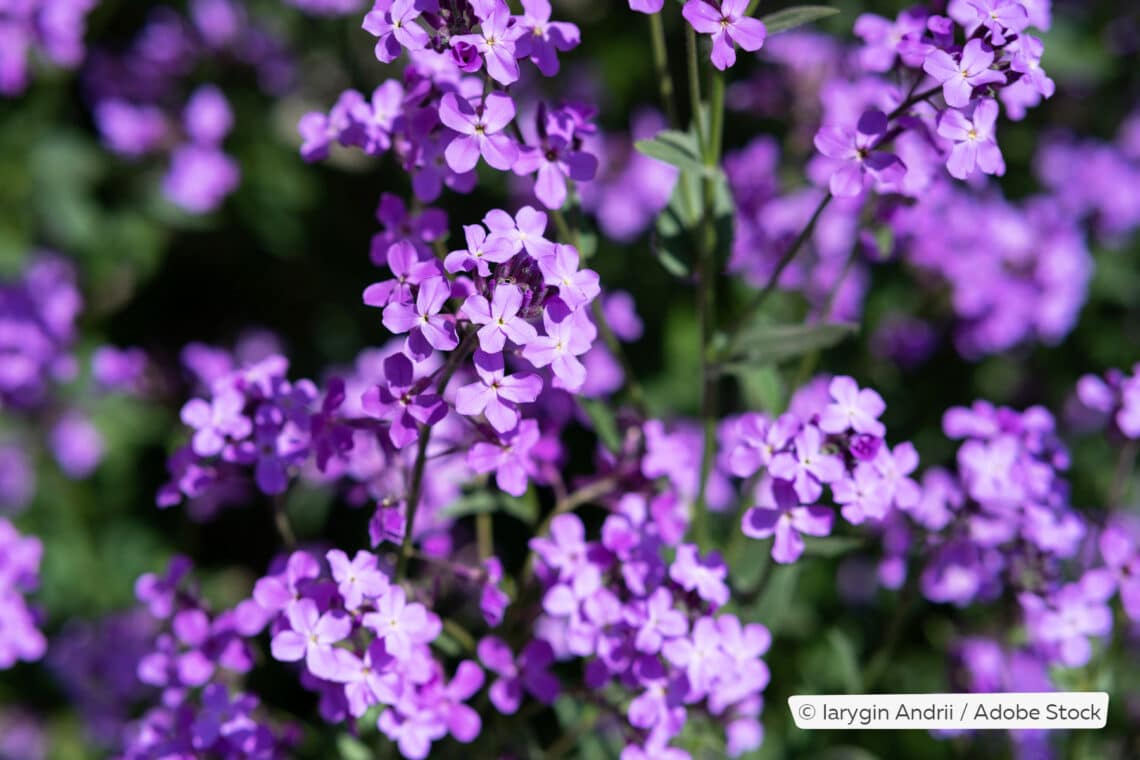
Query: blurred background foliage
288	252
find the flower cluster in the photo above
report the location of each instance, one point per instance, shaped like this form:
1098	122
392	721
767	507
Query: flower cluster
647	627
53	29
726	21
453	107
362	642
194	661
837	441
132	96
20	639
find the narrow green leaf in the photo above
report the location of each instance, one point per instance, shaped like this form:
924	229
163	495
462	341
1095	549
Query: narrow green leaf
772	344
831	546
790	18
351	748
674	148
778	594
846	661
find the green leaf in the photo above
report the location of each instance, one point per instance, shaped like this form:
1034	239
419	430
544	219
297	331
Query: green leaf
603	421
676	149
846	661
351	748
524	507
772	344
778	594
790	18
831	546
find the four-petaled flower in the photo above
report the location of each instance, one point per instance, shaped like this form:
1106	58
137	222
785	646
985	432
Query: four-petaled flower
480	131
974	143
311	636
728	25
496	394
427	327
959	78
500	318
861	164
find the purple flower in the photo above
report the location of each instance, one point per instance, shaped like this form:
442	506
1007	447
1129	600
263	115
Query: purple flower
216	421
706	576
207	117
528	674
655	620
526	231
200	178
785	519
852	409
1063	622
311	636
564	342
500	318
861	164
542	39
1001	17
974	143
427	327
357	579
1121	553
646	6
480	131
364	682
560	270
401	625
481	251
729	26
959	78
509	459
395	23
555	160
76	444
700	655
863	495
403	402
807	466
496	42
409	268
496	395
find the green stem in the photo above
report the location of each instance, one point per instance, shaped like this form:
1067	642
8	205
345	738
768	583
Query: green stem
416	489
1124	466
661	66
787	258
461	635
281	522
695	86
484	534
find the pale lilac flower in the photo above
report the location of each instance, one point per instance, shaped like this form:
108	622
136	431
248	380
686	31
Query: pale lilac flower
564	342
480	131
402	401
655	621
216	421
526	231
496	41
497	395
852	408
861	164
807	466
428	328
542	39
862	496
646	6
357	579
704	575
482	251
500	318
974	143
728	25
784	520
576	287
409	269
1001	17
395	23
401	625
311	636
529	674
959	78
509	459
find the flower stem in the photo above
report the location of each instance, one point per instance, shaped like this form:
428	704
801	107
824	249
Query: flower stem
416	489
787	258
484	534
695	86
281	522
661	66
